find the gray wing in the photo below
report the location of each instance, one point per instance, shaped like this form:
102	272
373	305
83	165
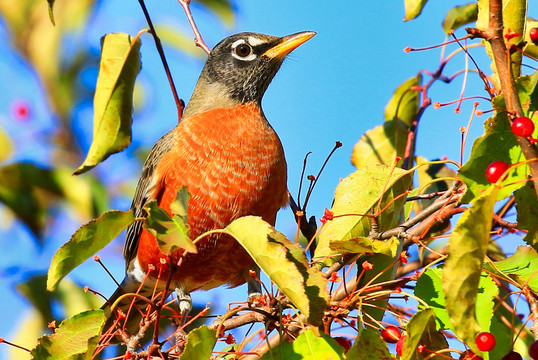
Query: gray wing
141	197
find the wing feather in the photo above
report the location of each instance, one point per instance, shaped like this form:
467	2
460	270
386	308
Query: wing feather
143	194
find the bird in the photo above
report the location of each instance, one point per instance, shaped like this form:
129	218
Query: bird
230	159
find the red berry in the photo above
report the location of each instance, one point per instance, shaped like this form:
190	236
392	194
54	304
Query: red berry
512	355
391	334
343	342
533	350
522	126
469	355
485	341
533	33
495	170
399	345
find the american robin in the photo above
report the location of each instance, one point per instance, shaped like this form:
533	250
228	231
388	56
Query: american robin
232	163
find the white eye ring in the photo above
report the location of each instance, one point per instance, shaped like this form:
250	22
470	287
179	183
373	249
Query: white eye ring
241	50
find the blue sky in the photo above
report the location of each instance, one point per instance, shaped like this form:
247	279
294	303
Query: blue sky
332	88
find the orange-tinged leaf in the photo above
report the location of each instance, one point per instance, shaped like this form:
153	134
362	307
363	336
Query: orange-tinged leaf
461	275
85	242
284	263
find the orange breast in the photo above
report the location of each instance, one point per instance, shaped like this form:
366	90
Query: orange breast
233	164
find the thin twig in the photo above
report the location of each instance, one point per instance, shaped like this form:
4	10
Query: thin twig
185	4
451	196
179	103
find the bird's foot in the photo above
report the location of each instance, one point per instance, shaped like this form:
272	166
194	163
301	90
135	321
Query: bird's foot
257	300
185	303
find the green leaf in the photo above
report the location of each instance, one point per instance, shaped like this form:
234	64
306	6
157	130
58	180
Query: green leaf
21	189
113	100
368	346
355	196
514	15
527	213
200	343
85	242
461	276
383	143
497	143
527	88
530	48
380	145
181	203
172	232
459	16
307	346
51	13
513	19
404	104
364	245
421	331
429	289
27	188
522	267
413	8
285	264
75	338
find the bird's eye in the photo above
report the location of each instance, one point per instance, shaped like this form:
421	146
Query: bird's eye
243	50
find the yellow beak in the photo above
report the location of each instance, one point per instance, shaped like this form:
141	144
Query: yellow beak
288	44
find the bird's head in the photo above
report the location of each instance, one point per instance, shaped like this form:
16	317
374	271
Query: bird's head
240	68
